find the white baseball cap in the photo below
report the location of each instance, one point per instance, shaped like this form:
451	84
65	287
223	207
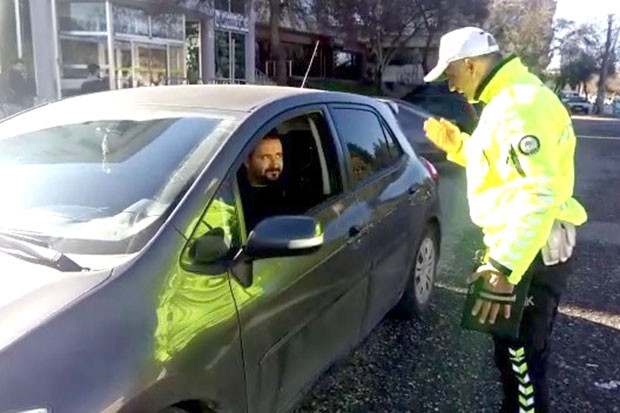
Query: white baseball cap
459	44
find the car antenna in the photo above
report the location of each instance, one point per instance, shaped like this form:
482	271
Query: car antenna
316	47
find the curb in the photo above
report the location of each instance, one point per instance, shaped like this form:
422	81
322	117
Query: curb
598	118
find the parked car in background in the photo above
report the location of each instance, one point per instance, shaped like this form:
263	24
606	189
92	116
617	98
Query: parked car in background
578	104
566	95
411	119
134	279
437	99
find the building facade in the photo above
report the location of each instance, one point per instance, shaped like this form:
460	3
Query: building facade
335	58
135	42
16	37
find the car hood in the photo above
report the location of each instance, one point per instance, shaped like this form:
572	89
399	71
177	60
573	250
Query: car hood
32	293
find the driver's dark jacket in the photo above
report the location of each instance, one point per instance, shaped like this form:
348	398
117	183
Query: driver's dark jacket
263	201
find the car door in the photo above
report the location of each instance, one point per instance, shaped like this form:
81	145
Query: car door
384	181
300	313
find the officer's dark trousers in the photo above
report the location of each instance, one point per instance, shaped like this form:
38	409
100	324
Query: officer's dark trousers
523	362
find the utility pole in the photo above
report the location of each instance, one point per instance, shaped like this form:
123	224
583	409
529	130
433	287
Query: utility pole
610	47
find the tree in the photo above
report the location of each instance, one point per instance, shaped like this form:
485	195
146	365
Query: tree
441	15
524	28
578	70
579	55
386	26
607	61
296	14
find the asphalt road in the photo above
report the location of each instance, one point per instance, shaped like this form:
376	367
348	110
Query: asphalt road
434	365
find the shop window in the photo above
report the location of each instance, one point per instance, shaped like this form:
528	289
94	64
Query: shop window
223	5
232	6
78	51
9	47
130	21
347	65
237	6
82	16
192	30
229	55
177	74
74	72
168	26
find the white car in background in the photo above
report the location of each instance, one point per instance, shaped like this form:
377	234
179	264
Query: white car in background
578	104
565	96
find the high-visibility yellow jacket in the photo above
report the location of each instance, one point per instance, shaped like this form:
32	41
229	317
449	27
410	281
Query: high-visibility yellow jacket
520	167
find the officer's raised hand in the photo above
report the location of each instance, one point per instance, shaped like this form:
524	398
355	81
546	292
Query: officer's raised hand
496	295
445	134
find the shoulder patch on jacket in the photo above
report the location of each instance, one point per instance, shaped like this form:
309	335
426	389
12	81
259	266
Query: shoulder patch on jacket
529	145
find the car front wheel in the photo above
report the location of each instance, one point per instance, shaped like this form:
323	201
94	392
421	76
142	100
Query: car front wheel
417	295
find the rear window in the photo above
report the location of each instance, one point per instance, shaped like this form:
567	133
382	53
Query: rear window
369	150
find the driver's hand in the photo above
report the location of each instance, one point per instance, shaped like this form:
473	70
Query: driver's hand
445	134
494	282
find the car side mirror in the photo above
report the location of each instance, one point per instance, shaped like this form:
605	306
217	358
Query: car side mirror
284	236
211	248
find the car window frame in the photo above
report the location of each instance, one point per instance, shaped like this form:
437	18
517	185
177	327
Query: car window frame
267	126
390	135
396	165
234	249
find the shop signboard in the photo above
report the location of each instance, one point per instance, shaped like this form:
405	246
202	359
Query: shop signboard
231	21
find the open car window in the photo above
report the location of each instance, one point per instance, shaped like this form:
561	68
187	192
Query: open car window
310	172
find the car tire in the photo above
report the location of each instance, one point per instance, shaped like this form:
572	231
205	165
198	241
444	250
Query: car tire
416	298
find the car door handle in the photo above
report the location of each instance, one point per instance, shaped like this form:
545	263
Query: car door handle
356	232
414	189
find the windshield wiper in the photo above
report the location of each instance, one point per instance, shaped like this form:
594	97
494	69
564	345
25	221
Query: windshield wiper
38	252
27	236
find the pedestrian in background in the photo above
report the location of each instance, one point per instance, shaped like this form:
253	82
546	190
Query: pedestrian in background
520	176
94	83
17	89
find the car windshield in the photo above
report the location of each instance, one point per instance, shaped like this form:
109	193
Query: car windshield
101	182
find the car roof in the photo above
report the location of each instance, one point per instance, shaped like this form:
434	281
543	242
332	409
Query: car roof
412	107
183	100
243	98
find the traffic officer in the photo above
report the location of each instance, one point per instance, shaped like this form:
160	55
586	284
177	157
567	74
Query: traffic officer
520	176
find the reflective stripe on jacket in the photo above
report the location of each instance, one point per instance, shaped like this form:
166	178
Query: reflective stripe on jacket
520	167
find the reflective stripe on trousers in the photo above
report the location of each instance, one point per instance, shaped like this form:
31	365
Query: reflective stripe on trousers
523	362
